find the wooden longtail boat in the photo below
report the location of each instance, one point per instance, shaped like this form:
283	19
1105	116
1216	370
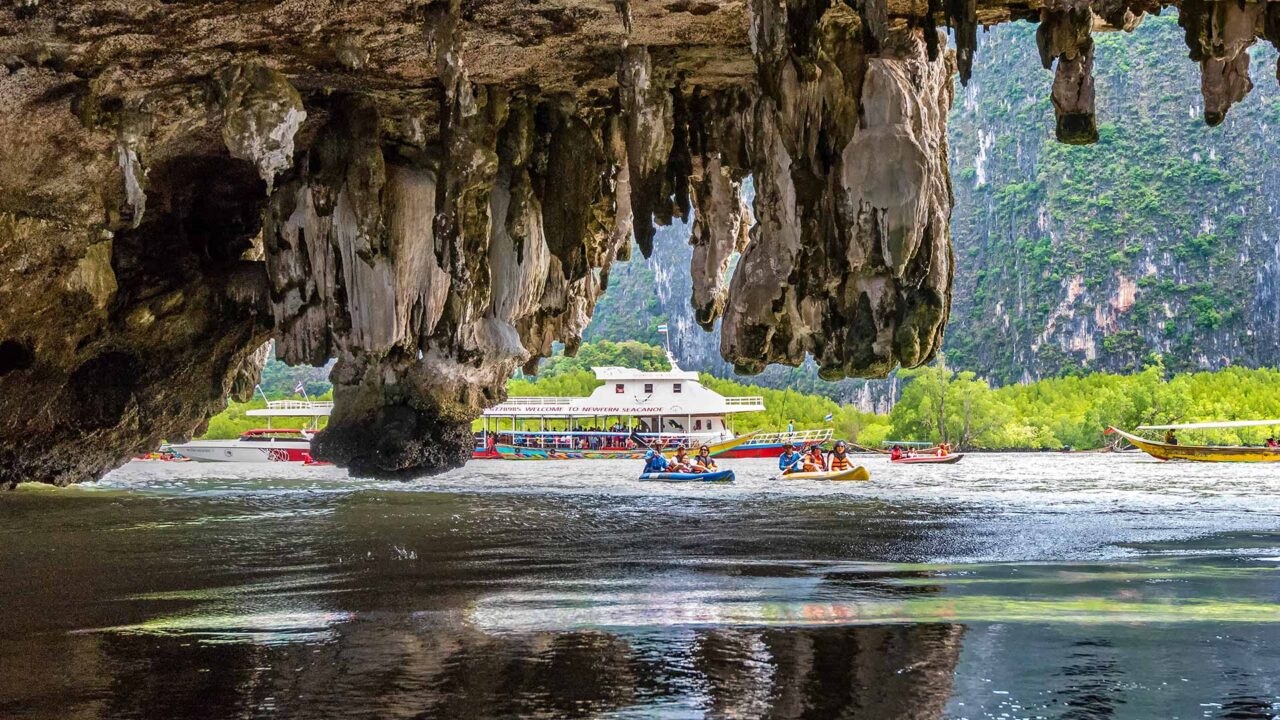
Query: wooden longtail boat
514	452
1202	453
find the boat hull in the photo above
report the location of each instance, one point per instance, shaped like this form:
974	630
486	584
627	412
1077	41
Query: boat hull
1199	453
858	473
236	451
929	460
721	476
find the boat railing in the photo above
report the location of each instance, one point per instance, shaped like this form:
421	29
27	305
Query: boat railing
299	404
599	439
744	400
796	436
532	400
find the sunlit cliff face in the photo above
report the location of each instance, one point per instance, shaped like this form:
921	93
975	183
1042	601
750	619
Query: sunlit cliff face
434	194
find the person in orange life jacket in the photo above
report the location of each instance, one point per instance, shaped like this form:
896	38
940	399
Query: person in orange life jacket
790	460
814	462
703	462
838	460
896	453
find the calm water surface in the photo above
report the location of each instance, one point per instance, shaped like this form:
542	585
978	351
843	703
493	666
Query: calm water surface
1008	586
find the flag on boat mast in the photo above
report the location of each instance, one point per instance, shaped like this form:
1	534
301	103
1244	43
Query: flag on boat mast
828	417
301	388
666	336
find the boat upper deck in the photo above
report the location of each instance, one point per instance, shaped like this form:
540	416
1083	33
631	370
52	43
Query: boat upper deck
634	393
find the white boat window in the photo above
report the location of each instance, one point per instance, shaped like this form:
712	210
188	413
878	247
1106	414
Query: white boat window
697	424
619	388
648	387
675	387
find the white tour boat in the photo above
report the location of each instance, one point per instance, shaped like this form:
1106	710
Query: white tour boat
663	408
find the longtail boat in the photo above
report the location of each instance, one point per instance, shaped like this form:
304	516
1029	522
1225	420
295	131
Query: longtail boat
1202	453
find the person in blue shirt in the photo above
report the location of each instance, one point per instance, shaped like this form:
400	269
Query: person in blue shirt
790	460
654	462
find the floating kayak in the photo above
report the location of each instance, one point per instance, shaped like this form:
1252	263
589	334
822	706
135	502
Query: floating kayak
717	476
929	460
857	473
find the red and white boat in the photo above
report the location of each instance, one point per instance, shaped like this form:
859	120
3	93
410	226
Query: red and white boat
263	444
928	459
260	445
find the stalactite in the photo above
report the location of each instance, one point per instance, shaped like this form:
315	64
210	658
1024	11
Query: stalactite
850	259
1064	37
962	17
1218	34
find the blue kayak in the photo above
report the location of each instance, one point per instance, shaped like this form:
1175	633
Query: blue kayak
717	476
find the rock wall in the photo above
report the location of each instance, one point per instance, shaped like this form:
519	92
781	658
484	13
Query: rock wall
1159	239
435	193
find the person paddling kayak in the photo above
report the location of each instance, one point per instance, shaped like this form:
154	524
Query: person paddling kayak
654	462
790	460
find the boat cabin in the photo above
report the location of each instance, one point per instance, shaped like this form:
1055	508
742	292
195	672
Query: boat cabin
670	406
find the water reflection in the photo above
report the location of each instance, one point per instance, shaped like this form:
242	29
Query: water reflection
434	669
235	597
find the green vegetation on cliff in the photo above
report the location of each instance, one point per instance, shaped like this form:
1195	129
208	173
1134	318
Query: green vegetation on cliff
1159	238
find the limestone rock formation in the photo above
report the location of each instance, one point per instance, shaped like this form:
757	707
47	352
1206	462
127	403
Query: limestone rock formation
434	195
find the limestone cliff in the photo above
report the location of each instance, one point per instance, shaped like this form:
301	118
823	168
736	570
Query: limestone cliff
435	193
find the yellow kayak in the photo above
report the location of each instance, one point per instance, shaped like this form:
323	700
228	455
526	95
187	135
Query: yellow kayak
857	473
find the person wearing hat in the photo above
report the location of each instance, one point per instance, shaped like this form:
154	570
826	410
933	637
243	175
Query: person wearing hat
790	460
814	462
702	462
838	460
682	462
654	462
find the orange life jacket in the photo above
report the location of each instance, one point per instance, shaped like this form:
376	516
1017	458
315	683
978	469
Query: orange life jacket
839	462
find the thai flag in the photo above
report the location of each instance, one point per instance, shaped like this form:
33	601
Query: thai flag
299	387
662	328
828	417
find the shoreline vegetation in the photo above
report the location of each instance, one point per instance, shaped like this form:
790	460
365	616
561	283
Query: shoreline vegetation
937	404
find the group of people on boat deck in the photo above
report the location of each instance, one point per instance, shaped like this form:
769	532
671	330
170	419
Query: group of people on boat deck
898	452
792	460
656	462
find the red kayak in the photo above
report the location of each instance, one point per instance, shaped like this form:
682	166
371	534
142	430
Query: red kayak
930	459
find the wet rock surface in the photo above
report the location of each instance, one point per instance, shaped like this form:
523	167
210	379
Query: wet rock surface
434	195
